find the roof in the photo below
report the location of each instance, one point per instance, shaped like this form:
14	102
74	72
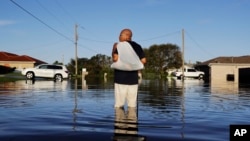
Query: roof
6	56
232	59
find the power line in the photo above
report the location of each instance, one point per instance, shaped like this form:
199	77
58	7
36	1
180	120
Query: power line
67	13
88	48
51	28
46	9
198	44
81	27
108	42
161	36
153	38
49	12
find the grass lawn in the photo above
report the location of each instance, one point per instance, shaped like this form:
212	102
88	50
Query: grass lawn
10	77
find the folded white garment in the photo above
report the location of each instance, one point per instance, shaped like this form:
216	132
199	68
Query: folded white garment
128	60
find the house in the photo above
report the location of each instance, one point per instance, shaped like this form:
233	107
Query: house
227	71
19	62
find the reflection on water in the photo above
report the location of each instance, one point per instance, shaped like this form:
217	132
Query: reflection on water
226	87
126	126
39	85
83	110
126	123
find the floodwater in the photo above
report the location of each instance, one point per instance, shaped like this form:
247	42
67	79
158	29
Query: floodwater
82	110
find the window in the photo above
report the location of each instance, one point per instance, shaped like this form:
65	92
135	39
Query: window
58	67
43	67
230	77
54	67
191	70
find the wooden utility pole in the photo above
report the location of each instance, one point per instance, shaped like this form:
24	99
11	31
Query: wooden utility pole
76	38
183	60
63	59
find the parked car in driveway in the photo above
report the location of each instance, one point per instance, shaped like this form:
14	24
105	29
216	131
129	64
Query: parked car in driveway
189	73
57	72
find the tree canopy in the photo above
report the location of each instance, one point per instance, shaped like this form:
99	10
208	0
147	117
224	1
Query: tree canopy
97	64
162	57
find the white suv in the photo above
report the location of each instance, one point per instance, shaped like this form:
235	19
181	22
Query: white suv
57	72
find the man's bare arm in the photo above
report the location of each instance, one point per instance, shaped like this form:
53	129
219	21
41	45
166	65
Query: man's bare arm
114	55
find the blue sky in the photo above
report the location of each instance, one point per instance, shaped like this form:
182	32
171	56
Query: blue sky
212	28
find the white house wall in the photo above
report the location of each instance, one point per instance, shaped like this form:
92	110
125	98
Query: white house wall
218	76
18	64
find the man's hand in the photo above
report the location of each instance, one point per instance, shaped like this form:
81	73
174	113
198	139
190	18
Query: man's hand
143	60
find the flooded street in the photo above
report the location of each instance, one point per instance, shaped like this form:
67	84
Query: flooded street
83	110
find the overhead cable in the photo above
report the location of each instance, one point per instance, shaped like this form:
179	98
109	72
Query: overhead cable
198	44
51	28
161	36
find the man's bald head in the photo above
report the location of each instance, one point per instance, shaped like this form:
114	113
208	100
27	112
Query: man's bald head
125	35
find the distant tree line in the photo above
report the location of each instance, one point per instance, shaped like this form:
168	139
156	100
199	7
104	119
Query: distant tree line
160	58
96	65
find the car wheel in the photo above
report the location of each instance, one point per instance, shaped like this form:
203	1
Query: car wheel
58	77
30	75
200	76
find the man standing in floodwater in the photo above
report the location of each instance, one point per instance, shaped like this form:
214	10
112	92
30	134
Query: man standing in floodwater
128	58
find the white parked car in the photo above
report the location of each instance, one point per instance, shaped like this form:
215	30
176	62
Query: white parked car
190	73
57	72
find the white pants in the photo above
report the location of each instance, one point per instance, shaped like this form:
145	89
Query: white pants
125	93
